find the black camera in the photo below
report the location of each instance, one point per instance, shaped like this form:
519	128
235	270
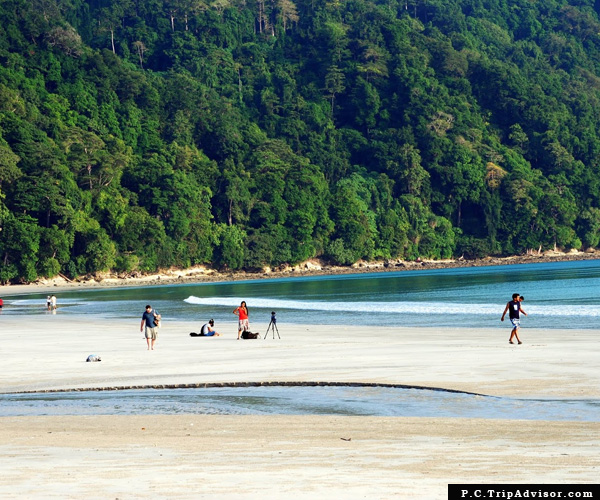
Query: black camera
273	318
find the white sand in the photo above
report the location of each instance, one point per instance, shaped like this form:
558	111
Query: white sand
201	456
43	352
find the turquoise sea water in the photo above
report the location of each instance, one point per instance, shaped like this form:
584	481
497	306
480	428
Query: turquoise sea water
563	295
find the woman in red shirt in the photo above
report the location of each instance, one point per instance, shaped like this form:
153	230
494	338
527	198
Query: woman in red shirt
242	314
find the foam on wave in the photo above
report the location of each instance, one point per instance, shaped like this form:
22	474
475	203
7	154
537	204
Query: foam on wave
393	307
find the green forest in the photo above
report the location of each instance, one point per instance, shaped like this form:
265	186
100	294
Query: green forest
145	134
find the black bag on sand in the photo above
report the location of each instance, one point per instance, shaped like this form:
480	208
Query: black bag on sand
249	335
194	334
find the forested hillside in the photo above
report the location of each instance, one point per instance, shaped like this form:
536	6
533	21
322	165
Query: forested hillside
137	134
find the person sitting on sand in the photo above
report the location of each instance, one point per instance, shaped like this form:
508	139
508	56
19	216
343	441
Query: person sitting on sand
208	329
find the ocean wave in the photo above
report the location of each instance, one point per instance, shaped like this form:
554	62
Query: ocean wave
403	307
42	302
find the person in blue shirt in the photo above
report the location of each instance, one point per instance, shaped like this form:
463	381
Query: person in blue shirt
514	313
150	323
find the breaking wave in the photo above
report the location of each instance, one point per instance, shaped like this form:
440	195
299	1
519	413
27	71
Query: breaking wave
394	307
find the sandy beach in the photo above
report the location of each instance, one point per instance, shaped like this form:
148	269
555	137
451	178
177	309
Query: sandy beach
208	456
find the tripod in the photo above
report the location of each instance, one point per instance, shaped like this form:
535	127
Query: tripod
273	327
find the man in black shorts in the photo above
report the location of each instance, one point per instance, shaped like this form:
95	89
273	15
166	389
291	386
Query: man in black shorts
514	310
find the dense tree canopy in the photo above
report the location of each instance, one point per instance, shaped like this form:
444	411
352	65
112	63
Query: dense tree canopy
143	134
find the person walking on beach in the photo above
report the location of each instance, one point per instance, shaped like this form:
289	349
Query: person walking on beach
49	303
514	313
150	323
242	314
53	302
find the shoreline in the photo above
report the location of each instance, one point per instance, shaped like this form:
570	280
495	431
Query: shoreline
313	267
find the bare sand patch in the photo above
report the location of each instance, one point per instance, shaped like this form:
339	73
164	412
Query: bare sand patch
242	457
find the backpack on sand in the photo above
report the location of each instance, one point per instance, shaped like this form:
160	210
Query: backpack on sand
249	335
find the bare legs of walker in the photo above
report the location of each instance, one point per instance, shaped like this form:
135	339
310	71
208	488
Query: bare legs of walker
150	340
514	334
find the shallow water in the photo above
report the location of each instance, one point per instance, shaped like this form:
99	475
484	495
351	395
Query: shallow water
563	295
363	401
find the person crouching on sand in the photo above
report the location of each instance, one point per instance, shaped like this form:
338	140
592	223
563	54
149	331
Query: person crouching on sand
514	310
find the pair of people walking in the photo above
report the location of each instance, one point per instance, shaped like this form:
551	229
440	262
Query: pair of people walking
514	309
51	302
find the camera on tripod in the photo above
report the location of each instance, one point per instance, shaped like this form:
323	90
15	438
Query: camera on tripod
273	325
